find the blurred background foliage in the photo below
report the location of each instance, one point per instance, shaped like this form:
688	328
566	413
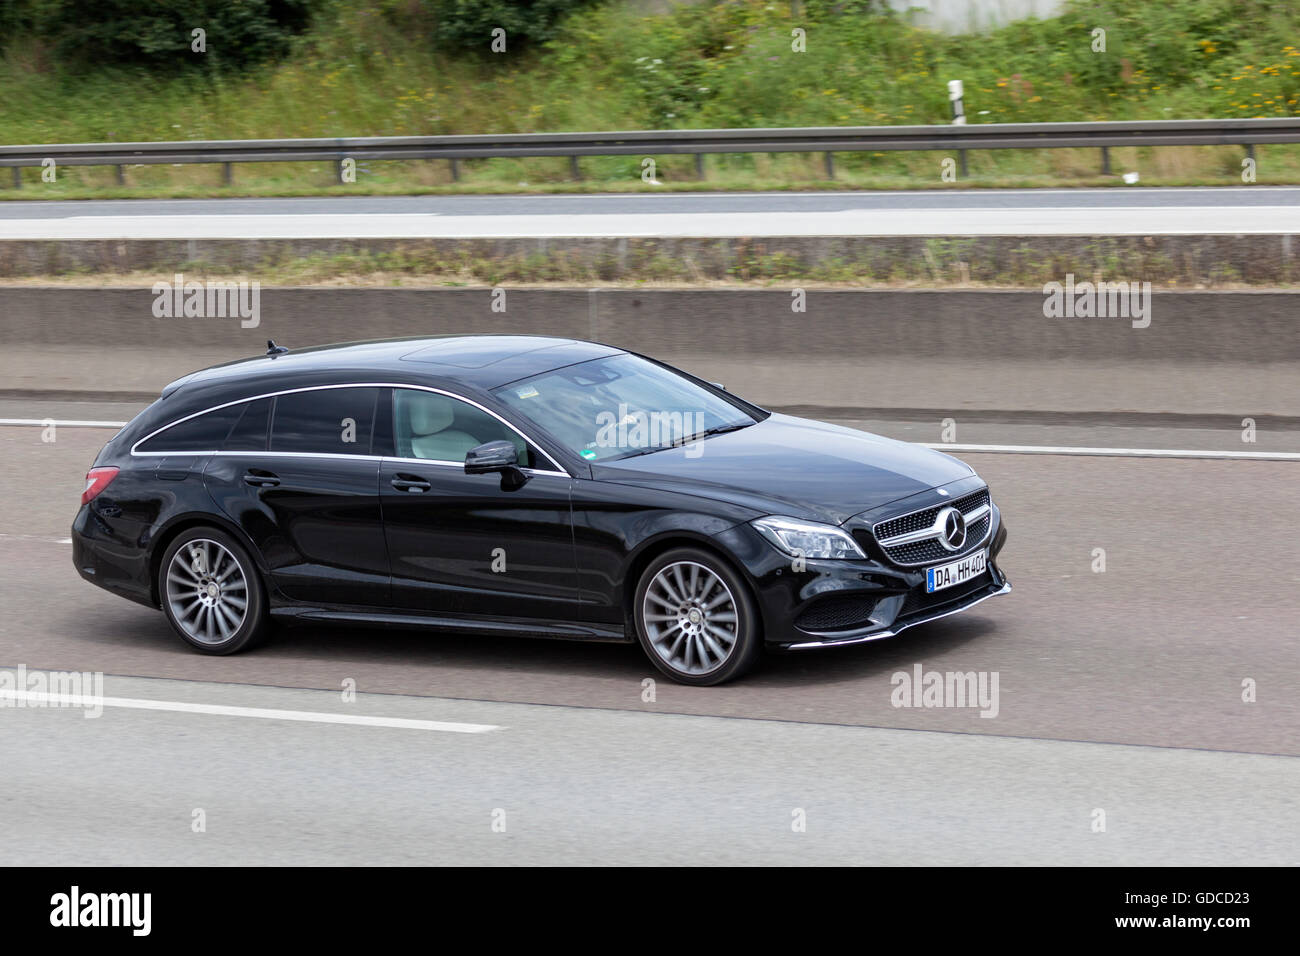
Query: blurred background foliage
90	70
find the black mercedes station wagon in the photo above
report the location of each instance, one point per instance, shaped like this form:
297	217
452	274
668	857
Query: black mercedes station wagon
508	484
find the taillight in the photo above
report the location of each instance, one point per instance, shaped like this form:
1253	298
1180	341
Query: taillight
97	479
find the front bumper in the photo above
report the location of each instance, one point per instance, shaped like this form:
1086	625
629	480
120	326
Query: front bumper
824	603
966	601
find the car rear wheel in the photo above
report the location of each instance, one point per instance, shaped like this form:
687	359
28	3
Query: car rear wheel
211	592
695	618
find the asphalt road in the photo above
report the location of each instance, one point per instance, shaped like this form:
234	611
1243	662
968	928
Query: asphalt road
1128	211
606	787
1119	691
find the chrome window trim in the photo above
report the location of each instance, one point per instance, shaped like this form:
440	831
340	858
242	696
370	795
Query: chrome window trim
560	469
461	464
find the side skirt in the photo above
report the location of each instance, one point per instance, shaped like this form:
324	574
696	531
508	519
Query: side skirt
512	627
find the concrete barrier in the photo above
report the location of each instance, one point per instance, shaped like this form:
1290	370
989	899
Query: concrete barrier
1204	353
1015	261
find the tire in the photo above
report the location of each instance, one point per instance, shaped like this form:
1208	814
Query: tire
683	623
204	577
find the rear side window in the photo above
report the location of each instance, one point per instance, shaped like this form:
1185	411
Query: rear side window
330	421
250	431
206	432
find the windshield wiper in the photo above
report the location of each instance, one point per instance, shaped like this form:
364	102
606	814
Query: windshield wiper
715	430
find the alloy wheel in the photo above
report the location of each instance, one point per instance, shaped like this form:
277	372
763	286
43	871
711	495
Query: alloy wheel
207	591
690	618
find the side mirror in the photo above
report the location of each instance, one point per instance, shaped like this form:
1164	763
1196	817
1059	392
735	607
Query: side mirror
718	385
491	457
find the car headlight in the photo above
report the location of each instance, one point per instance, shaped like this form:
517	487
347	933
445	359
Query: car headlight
807	539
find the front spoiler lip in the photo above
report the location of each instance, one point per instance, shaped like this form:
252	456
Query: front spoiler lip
894	630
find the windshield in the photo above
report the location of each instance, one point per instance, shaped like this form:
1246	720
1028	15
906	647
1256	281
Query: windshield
621	406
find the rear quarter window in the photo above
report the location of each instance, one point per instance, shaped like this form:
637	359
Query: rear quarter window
205	432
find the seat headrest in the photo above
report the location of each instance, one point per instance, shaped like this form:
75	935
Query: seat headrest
429	413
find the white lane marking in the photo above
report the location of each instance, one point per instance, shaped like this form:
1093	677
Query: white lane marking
1117	452
61	422
223	710
815	193
35	537
940	446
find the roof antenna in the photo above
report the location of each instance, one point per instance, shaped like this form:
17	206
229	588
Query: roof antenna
272	349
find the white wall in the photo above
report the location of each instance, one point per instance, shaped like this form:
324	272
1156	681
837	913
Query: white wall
950	16
960	16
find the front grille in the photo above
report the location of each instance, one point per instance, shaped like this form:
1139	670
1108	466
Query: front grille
917	601
837	613
930	550
923	519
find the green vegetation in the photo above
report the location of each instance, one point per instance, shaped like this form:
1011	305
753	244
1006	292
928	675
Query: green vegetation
989	262
409	67
83	35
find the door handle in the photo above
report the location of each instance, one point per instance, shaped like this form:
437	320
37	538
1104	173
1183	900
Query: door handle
413	484
261	479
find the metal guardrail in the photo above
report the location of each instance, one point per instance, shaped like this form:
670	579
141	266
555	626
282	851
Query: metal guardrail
699	142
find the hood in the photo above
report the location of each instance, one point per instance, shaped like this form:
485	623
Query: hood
792	466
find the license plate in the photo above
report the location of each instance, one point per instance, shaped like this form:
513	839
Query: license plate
946	575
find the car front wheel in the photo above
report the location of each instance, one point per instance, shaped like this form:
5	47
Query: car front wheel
695	618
